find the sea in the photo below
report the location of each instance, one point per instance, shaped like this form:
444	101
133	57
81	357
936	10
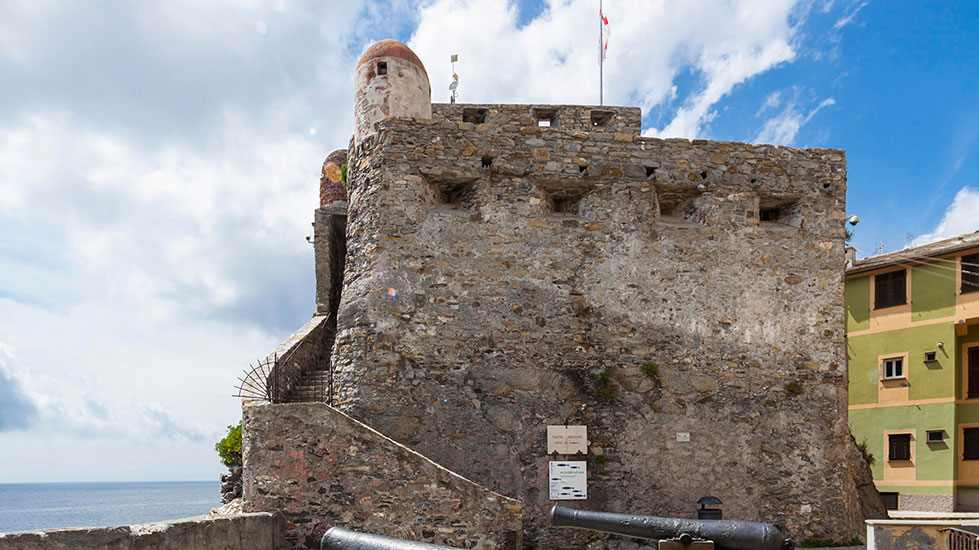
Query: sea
31	506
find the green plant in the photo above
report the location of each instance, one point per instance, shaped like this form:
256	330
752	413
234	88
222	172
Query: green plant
343	174
229	448
793	388
604	377
601	459
815	543
606	390
865	451
650	369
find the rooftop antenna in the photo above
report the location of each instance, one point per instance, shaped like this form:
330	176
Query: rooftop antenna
455	79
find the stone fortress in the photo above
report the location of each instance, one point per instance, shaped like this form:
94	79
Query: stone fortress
486	271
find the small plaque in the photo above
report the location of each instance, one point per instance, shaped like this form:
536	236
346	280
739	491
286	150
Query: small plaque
683	436
568	480
567	440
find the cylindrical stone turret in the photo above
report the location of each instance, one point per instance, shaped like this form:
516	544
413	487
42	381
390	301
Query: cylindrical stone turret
390	82
332	189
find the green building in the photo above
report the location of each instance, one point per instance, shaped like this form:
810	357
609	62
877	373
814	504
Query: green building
912	323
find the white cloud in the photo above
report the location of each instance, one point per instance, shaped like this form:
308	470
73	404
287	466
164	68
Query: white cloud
962	216
783	128
152	220
554	58
848	18
158	175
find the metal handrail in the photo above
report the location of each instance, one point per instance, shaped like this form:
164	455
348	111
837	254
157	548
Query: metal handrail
286	374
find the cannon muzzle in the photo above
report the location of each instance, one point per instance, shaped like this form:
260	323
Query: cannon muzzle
726	534
338	538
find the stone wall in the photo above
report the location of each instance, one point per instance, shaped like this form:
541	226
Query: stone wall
321	468
262	531
570	118
502	276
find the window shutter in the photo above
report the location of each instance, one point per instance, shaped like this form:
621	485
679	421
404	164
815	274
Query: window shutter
900	447
973	359
970	444
970	273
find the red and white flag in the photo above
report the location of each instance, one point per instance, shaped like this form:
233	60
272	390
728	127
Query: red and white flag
605	33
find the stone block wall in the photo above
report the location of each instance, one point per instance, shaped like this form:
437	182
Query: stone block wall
321	468
260	531
512	118
502	276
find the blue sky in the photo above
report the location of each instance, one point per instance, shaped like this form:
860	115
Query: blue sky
159	164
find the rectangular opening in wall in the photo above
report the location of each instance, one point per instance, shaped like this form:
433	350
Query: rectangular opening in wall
893	368
890	500
474	115
680	202
382	68
546	118
601	118
970	273
779	210
899	447
931	356
890	289
455	193
970	444
935	436
565	197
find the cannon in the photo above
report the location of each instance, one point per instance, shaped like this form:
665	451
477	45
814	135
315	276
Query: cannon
726	534
338	538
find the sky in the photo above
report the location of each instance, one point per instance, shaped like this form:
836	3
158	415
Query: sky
159	166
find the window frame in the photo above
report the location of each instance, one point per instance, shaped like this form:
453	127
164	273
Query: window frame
899	360
965	441
969	281
907	440
888	282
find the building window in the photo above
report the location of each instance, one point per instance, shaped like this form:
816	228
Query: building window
970	444
893	368
890	500
382	68
890	289
970	273
899	447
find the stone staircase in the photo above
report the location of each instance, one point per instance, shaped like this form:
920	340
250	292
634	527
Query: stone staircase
313	386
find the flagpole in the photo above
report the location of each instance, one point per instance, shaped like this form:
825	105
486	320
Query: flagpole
601	57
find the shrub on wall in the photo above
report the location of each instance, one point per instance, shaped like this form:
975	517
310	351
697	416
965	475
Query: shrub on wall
229	448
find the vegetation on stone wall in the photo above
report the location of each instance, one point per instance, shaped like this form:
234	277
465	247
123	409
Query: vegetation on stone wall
229	448
865	451
343	174
650	369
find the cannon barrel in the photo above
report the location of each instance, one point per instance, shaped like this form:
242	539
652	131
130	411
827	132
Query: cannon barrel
338	538
726	534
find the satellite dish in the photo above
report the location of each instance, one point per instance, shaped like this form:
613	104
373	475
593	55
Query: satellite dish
454	85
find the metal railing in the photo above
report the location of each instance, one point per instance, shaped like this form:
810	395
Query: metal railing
298	376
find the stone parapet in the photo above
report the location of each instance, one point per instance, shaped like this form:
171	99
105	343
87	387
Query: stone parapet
512	118
258	531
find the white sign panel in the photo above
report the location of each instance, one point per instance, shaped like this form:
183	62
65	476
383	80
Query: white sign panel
567	440
568	480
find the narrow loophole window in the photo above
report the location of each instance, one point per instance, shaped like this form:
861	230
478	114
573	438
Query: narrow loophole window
382	68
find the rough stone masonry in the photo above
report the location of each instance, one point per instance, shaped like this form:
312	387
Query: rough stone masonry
501	276
496	269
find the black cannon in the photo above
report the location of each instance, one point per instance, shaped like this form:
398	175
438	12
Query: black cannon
338	538
726	534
